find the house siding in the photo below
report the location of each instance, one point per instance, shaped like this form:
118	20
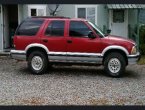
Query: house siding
1	35
102	16
22	12
142	16
101	13
67	10
25	11
132	14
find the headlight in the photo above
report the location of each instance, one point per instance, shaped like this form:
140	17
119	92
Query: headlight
134	50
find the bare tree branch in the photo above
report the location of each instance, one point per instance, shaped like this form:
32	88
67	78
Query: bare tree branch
53	11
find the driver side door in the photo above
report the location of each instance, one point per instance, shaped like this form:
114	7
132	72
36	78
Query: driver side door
81	48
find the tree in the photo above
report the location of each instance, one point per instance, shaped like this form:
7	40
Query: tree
53	9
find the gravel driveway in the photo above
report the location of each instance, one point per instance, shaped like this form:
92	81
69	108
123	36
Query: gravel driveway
72	85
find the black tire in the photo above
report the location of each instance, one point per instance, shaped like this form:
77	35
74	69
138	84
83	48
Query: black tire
44	58
119	58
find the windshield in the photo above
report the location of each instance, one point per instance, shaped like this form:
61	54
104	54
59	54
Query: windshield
97	29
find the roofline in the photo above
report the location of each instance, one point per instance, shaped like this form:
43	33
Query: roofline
55	17
49	17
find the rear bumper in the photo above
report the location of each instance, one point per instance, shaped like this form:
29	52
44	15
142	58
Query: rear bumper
18	54
132	59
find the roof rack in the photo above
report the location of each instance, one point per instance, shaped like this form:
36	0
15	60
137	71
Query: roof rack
50	17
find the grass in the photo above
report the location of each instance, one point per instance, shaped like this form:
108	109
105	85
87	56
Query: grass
142	60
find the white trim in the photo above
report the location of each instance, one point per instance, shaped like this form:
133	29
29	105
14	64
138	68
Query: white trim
36	45
78	53
57	53
18	51
75	53
20	17
2	27
19	21
114	47
137	54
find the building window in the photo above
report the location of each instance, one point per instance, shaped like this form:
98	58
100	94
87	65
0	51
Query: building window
33	12
118	16
91	14
82	13
87	13
37	10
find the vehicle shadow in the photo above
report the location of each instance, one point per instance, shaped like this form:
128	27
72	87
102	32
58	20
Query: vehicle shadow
79	70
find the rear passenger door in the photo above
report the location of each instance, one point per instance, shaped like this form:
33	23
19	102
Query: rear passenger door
54	39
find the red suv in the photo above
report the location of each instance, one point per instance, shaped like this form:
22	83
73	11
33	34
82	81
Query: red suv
43	41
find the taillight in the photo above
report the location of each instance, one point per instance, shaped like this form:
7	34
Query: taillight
14	41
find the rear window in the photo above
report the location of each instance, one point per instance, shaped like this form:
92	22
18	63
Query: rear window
29	27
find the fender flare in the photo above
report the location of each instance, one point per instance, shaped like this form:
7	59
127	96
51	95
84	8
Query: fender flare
37	45
115	47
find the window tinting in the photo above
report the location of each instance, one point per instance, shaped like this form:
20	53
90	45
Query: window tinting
29	27
78	28
55	28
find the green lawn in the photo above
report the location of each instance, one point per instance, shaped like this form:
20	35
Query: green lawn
142	60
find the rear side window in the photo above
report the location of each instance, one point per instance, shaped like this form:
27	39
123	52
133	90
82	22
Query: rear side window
79	29
29	28
55	28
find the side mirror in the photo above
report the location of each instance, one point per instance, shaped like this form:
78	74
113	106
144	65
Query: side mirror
91	35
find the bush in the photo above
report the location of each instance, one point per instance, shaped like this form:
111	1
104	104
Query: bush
142	39
142	49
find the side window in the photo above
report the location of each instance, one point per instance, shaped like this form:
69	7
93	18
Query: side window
29	28
79	29
55	28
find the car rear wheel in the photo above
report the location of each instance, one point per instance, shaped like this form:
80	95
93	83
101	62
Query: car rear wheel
114	64
37	62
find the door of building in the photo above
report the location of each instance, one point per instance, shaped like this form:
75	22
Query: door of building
118	22
9	24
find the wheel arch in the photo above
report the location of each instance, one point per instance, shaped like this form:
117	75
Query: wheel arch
118	49
36	47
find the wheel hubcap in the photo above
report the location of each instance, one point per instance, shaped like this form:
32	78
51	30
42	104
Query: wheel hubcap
114	65
37	62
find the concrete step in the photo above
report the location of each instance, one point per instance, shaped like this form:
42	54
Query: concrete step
2	53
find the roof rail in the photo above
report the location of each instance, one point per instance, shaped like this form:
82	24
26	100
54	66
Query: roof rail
50	17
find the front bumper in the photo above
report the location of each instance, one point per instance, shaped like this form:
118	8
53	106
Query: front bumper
18	54
132	59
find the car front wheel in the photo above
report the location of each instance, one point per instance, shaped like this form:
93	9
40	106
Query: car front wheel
114	64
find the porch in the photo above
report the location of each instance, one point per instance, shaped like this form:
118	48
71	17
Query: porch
10	18
126	20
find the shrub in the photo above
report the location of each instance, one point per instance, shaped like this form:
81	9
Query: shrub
142	39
